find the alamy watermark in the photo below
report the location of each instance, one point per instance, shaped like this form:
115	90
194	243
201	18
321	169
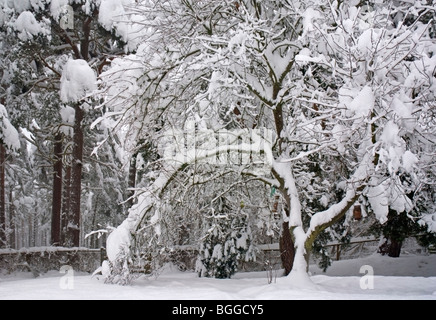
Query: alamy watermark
367	281
66	282
66	15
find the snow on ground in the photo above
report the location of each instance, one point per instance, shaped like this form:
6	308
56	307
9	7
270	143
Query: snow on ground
411	277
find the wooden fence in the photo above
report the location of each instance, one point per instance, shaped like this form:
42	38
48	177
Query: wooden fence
354	248
42	259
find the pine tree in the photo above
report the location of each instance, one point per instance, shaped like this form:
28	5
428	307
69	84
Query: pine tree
226	242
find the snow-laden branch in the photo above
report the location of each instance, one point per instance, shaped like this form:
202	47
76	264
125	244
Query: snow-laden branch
120	240
355	186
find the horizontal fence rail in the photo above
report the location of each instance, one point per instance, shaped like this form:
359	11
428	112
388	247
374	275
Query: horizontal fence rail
42	259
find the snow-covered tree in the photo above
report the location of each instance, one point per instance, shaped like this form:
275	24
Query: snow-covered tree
341	84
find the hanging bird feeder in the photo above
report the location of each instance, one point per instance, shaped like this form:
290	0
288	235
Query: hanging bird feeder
275	206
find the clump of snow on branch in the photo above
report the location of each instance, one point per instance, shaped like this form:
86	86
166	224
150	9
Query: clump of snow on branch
77	81
114	15
18	6
28	27
364	102
57	8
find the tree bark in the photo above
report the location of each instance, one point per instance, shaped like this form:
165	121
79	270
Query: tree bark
66	205
57	192
286	242
12	222
76	180
3	239
84	46
287	250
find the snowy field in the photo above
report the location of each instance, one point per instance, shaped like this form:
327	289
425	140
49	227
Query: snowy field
411	277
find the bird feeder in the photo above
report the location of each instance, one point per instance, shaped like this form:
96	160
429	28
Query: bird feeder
276	203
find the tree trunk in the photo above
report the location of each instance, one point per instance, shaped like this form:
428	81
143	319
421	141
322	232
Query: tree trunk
66	205
286	243
36	235
287	250
76	180
93	241
3	239
12	222
394	248
132	180
57	192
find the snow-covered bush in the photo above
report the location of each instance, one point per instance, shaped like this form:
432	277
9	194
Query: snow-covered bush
226	243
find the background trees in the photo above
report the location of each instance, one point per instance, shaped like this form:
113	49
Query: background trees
40	39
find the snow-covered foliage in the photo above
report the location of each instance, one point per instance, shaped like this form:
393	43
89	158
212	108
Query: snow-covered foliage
117	16
8	134
28	27
78	80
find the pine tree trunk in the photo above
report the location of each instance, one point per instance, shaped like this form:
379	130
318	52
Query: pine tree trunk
57	192
3	240
65	205
35	229
76	180
12	222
